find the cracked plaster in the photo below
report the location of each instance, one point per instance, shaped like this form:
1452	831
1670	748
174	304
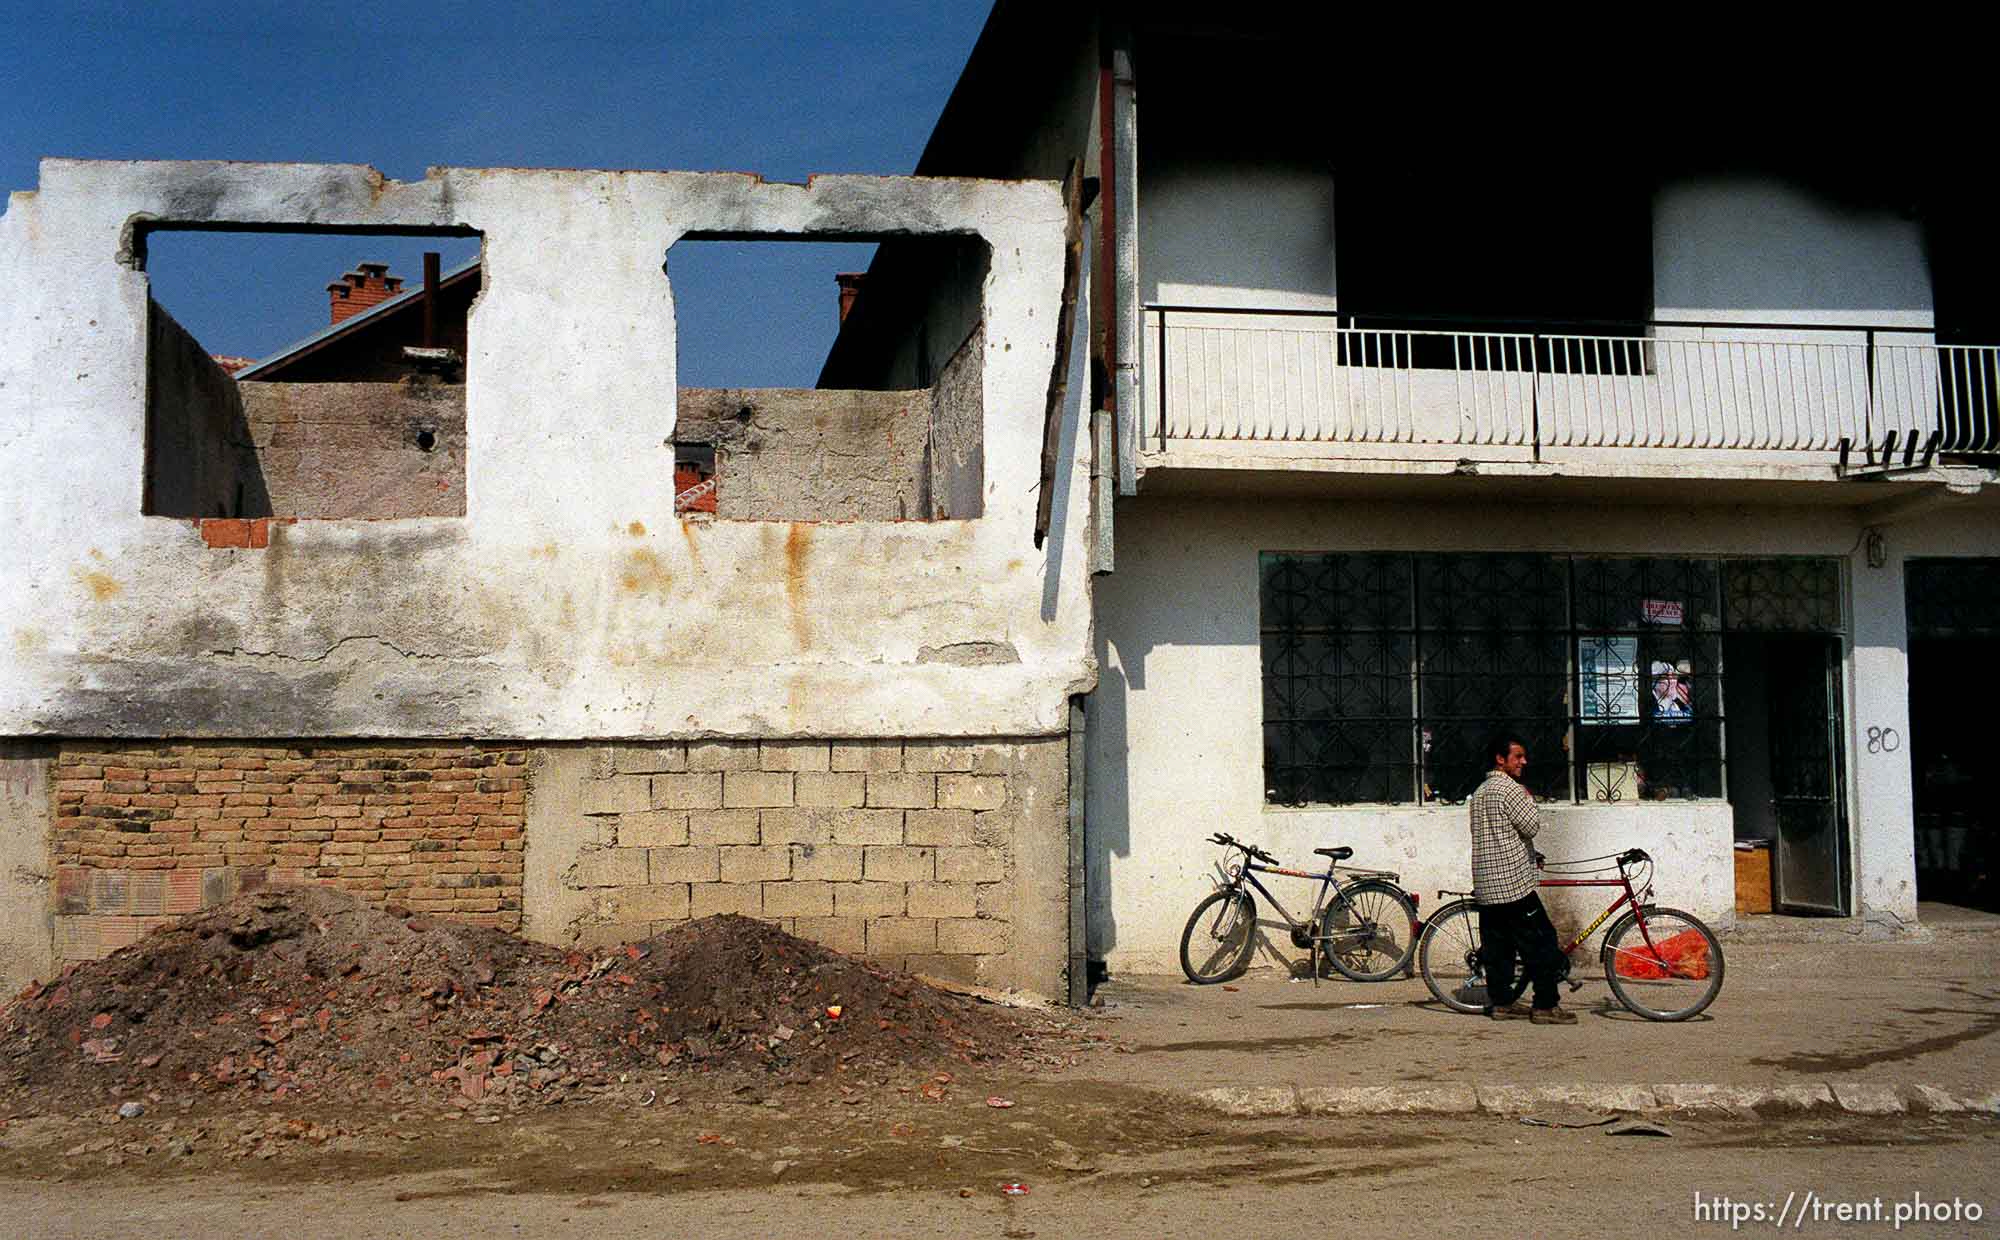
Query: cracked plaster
545	612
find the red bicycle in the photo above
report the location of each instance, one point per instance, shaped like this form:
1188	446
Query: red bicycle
1661	963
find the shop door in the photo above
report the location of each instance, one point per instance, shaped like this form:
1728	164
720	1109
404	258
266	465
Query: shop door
1954	612
1809	866
1952	728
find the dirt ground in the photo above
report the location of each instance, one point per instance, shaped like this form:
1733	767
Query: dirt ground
1107	1160
1102	1137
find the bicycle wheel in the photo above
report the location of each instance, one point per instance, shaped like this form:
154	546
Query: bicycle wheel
1221	933
1670	970
1368	938
1448	957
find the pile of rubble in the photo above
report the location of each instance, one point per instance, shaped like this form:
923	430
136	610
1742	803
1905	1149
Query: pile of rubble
308	992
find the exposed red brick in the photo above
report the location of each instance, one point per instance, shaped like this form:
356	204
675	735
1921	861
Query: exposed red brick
301	810
228	532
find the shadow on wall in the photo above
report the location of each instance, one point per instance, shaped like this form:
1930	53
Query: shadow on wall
1074	417
216	447
1108	822
201	459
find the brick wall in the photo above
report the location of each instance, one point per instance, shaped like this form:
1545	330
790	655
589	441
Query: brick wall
909	851
145	832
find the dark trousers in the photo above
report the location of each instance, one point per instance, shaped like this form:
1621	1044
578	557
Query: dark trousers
1519	931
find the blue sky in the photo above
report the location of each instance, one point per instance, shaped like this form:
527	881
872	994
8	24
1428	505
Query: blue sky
782	89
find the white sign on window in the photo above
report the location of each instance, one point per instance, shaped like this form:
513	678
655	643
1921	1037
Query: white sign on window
1660	611
1608	675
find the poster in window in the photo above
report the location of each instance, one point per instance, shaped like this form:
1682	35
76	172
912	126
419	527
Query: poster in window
1673	692
1661	611
1608	676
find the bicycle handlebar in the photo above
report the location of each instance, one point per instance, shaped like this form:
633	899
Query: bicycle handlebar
1251	850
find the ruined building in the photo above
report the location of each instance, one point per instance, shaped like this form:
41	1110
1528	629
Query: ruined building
435	632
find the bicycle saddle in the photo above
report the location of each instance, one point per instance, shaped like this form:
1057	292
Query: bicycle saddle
1335	854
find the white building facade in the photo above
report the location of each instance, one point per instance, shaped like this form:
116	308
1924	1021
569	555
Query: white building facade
1678	464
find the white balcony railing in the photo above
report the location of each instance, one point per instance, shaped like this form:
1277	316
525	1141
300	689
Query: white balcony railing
1292	377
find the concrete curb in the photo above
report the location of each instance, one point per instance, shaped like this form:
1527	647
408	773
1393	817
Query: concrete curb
1854	1098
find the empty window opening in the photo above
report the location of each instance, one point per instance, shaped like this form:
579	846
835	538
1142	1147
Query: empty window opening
830	381
1545	275
694	477
306	375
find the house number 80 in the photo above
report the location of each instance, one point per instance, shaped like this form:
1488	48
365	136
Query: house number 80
1884	740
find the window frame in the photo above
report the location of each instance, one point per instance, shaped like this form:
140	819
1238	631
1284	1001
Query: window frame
1700	585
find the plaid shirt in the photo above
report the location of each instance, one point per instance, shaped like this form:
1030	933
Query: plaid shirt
1504	819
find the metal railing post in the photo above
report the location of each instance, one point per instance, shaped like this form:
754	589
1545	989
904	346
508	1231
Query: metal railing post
1535	395
1868	368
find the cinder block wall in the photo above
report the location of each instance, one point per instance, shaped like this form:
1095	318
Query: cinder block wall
146	832
943	857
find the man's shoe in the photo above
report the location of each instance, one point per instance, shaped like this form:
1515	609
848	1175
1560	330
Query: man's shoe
1517	1010
1551	1016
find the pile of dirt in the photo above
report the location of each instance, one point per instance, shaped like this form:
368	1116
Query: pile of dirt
307	991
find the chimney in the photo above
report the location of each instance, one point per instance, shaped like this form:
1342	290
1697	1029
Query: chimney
369	284
850	288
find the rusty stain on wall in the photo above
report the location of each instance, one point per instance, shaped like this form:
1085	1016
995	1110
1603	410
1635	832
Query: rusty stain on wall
798	541
645	573
694	544
102	586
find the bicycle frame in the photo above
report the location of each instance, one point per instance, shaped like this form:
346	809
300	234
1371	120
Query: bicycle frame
1329	885
1627	896
1248	870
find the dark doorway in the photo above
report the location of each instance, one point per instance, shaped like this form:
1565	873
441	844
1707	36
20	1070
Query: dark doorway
1954	614
1953	735
1784	761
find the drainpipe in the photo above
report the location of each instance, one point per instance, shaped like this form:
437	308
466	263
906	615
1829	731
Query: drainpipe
1125	259
1079	960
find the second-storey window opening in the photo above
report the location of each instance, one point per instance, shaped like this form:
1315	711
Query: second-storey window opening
306	375
830	381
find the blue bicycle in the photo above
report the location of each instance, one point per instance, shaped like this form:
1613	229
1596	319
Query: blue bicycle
1361	922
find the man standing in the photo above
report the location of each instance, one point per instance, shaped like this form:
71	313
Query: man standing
1512	922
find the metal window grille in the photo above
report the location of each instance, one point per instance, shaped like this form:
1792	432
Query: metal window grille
1953	598
1385	674
1337	648
1782	594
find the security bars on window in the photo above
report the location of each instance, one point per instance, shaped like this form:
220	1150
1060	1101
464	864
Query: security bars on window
1385	673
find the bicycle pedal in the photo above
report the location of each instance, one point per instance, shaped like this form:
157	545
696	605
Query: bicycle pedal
1573	985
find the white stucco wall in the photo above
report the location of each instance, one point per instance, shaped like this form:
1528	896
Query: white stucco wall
1761	249
1257	236
569	602
1176	749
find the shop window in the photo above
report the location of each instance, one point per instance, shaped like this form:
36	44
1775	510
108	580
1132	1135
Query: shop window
1649	718
1385	674
1338	642
306	374
830	381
